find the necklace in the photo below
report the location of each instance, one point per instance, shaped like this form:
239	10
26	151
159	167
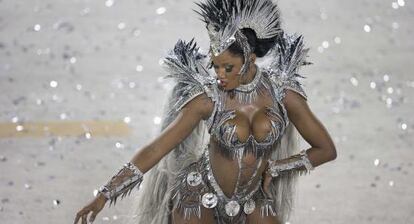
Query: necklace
249	87
247	93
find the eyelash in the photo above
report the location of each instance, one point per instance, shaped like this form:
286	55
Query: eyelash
228	68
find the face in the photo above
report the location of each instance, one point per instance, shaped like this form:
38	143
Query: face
227	67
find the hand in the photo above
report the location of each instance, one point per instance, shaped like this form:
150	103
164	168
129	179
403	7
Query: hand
266	183
95	206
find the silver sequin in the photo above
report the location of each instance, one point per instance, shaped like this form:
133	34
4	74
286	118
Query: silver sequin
209	200
194	179
232	208
249	206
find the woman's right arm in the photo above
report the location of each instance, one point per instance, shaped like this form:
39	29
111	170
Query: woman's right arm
188	118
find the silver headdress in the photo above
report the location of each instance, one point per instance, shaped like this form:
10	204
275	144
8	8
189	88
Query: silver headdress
225	18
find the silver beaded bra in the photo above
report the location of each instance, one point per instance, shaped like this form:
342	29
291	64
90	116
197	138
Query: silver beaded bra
225	133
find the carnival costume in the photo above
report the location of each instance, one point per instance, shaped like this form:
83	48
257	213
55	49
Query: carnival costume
185	177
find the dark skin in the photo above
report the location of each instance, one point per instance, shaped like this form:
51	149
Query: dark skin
249	119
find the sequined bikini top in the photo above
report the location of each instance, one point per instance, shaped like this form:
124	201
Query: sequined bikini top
225	132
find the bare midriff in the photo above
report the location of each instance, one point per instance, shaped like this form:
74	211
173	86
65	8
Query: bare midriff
226	170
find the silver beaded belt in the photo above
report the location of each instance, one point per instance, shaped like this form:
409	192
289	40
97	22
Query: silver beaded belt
232	205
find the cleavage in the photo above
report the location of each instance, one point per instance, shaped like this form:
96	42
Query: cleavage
249	122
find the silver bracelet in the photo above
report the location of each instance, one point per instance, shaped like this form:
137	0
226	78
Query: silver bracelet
128	177
306	162
303	161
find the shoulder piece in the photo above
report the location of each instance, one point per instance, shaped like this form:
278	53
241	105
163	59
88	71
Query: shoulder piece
287	56
186	65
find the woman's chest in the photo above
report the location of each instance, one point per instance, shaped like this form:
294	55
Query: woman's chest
255	126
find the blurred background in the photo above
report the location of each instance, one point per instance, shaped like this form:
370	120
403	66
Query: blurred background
82	89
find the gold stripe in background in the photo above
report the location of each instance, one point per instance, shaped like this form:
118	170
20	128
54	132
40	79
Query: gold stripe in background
65	128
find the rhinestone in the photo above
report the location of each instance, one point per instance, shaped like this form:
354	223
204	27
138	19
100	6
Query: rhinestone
249	206
209	200
194	179
232	208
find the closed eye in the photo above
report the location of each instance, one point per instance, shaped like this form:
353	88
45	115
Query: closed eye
229	68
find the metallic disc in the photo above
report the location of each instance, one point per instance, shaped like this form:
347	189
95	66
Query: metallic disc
232	208
209	200
194	179
249	206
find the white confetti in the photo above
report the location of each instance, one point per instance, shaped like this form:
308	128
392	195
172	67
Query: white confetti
72	60
136	32
109	3
389	102
157	120
394	5
367	28
63	116
139	68
325	44
337	40
19	128
161	10
132	85
354	81
37	27
395	25
320	49
119	145
53	84
15	119
121	26
127	120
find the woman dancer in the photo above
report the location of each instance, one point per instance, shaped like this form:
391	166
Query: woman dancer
228	150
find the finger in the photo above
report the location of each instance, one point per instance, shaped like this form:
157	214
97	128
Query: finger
93	216
84	218
77	218
266	184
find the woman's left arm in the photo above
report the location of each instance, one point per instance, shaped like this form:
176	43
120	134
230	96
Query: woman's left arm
311	129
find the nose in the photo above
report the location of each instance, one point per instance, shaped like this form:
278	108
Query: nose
221	74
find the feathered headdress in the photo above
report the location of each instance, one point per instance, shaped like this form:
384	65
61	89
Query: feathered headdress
225	18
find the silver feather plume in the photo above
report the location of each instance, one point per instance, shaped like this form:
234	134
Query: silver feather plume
185	65
289	54
224	18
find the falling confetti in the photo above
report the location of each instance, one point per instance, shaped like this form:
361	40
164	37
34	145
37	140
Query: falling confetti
161	10
157	120
37	27
367	28
109	3
53	84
